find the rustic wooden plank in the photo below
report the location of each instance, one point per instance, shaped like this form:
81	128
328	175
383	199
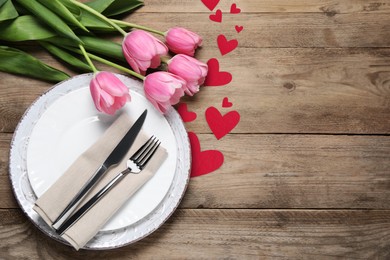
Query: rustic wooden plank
302	91
282	90
280	171
330	7
6	194
281	29
295	171
303	234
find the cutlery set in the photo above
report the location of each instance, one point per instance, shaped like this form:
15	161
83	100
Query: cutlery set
135	164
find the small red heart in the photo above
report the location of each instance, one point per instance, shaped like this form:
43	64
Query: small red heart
210	4
239	28
216	77
203	162
226	46
187	116
221	125
217	17
234	9
226	103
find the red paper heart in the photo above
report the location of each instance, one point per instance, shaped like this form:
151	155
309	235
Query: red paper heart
226	46
210	4
226	103
187	116
234	9
239	28
221	125
217	17
216	77
203	162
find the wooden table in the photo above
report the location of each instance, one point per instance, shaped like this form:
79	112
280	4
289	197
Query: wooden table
307	169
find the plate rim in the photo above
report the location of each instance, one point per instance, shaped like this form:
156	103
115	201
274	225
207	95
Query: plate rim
172	117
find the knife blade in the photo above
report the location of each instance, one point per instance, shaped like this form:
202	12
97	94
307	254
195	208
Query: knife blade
113	159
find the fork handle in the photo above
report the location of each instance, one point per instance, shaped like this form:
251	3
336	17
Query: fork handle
91	202
70	208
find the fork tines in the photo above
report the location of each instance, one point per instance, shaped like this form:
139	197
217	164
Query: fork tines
145	152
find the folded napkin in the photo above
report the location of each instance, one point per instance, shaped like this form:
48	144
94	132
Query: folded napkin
50	205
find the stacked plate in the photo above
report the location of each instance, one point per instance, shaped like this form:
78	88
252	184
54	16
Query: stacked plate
63	123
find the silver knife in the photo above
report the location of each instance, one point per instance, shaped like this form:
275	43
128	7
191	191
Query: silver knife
113	159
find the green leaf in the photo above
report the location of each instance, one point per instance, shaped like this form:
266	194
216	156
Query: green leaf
91	21
74	9
61	41
2	2
18	62
65	56
103	47
50	18
86	18
7	10
24	28
57	7
122	6
93	45
94	23
99	5
114	7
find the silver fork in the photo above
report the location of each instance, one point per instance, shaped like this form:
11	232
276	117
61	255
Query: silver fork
135	165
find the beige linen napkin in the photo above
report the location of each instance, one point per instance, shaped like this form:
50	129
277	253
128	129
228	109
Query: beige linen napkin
50	205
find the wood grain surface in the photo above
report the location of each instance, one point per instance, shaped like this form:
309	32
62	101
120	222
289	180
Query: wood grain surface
239	233
307	169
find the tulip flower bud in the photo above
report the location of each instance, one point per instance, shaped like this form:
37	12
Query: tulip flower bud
190	69
182	41
164	89
143	51
108	93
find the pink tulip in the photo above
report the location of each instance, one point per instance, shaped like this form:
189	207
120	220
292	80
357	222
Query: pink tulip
143	51
164	89
108	93
190	69
182	41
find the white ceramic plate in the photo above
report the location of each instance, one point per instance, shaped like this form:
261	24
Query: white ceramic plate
63	123
71	124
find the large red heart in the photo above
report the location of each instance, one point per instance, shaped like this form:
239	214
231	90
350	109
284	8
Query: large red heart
221	125
226	46
203	162
187	116
216	77
210	4
217	17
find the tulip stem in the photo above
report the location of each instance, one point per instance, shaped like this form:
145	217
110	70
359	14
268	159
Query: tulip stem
133	25
164	59
119	67
87	58
102	17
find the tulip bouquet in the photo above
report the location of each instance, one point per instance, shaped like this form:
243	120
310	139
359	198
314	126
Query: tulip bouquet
69	30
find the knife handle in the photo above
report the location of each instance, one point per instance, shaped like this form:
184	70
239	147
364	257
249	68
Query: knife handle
70	208
91	202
